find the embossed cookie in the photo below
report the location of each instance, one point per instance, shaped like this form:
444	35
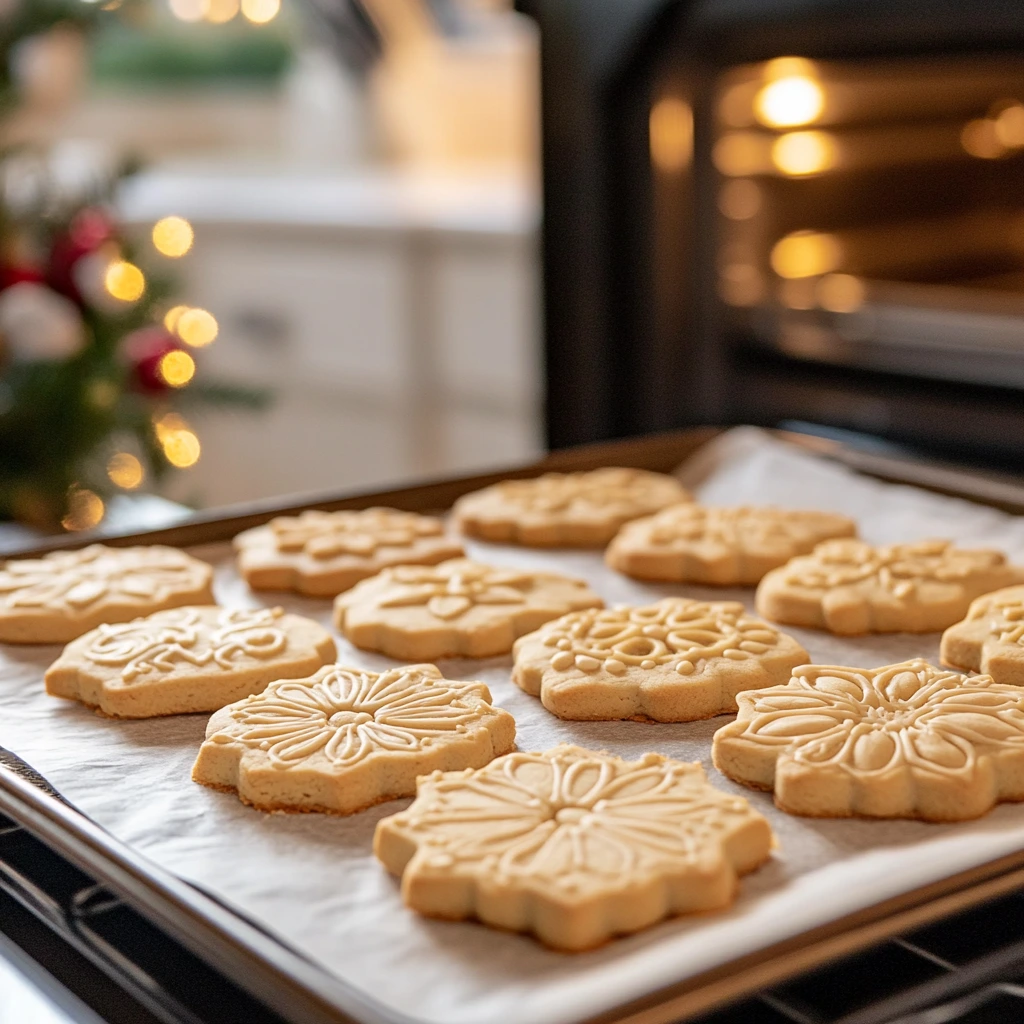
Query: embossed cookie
458	608
187	659
902	741
565	509
345	739
572	846
53	599
324	553
728	546
849	587
991	638
674	661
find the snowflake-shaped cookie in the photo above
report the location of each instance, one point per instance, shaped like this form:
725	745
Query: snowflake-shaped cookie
692	543
991	638
457	608
346	738
903	741
849	587
571	845
62	595
186	660
674	661
565	509
324	553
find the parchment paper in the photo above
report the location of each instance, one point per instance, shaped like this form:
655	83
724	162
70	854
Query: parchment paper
312	879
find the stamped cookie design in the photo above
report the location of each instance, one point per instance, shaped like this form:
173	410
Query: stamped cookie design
991	638
186	660
565	509
572	846
849	587
727	546
62	595
903	741
345	739
324	553
674	661
458	608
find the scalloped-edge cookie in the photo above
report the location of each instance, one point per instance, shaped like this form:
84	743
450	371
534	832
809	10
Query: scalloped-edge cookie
674	661
53	599
572	846
991	638
185	660
565	509
324	553
691	543
901	741
346	738
460	608
849	587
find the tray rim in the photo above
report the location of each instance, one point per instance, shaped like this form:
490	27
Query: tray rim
299	989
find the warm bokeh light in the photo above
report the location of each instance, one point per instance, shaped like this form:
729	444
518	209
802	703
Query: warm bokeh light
788	67
797	293
125	471
790	101
671	134
197	327
841	293
177	368
802	153
172	316
1009	126
188	10
218	12
740	284
85	510
124	281
173	236
180	445
979	138
738	154
259	12
806	254
739	199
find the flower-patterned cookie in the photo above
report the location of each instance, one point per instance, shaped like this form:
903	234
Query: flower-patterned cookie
727	546
62	595
849	587
458	608
187	659
565	509
572	846
345	738
902	741
674	661
324	553
991	638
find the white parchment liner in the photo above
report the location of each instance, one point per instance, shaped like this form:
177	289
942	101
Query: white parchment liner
313	880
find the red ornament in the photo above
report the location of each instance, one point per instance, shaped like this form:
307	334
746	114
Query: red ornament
144	349
18	274
88	230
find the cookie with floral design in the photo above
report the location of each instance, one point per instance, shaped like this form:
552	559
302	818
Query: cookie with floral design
460	608
572	846
724	546
902	741
565	509
345	738
991	638
324	553
58	597
849	587
674	661
186	660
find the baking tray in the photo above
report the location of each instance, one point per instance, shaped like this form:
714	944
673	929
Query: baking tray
297	989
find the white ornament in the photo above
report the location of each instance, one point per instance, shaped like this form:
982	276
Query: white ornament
38	324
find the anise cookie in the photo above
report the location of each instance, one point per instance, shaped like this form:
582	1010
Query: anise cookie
53	599
849	587
727	546
903	741
674	661
565	509
458	608
345	738
572	846
324	553
187	660
991	638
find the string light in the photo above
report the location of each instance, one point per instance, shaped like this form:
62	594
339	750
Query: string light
738	154
739	199
801	153
177	368
670	130
197	327
172	316
1009	126
218	12
789	101
180	445
125	471
259	12
124	281
85	510
173	236
805	254
979	138
841	293
188	10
